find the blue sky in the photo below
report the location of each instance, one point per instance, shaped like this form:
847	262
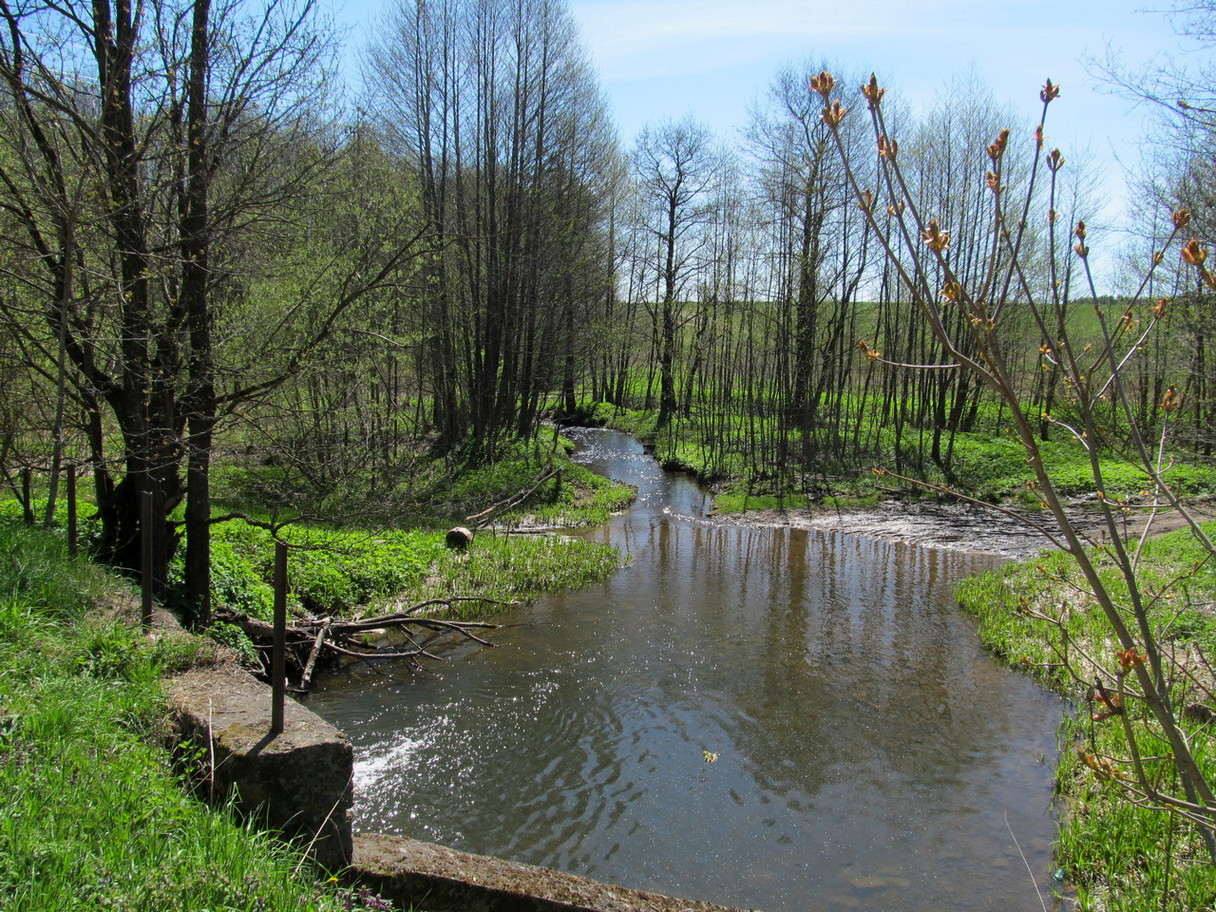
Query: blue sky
666	58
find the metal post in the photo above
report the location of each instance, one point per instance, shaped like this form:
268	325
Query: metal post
72	534
146	521
278	658
27	494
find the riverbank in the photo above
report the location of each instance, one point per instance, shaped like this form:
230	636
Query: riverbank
1114	847
93	814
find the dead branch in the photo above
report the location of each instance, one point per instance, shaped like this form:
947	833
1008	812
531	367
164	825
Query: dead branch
516	499
311	664
326	642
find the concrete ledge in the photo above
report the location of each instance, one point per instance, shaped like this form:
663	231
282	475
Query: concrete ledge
438	879
298	782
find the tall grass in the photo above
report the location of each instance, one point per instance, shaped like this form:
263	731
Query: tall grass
92	815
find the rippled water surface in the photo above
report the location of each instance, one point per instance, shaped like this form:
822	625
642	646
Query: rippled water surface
771	718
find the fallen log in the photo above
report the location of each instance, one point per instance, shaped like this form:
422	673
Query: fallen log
311	664
480	519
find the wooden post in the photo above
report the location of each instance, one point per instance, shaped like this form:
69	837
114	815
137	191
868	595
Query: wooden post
27	495
278	654
145	530
72	534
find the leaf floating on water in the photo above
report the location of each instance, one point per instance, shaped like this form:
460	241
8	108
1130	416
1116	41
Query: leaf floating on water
710	756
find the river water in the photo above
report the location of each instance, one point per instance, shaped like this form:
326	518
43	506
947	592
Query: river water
770	718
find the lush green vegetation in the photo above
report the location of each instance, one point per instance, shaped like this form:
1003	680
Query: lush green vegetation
92	814
1119	853
437	492
359	566
989	465
345	571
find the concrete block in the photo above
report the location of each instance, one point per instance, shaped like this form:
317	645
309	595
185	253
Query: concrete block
298	782
432	877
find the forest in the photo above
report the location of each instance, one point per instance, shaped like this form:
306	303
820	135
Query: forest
222	280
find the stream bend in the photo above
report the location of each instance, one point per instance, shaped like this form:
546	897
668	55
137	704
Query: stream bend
771	718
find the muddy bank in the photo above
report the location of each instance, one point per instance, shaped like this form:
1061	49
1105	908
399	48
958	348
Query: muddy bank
964	527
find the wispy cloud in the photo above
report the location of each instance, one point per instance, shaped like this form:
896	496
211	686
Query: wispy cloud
658	35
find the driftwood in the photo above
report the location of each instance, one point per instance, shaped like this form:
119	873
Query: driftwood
323	642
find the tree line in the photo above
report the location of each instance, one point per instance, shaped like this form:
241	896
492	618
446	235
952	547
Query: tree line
209	259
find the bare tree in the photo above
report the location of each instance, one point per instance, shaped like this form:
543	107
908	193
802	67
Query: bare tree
496	108
822	256
675	165
917	244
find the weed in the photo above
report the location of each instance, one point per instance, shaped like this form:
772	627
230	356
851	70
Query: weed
1119	854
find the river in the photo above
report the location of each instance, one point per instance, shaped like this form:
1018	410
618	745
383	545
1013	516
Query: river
772	718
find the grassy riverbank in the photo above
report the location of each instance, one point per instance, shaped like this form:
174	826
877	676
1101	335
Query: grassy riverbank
92	814
987	464
394	556
1117	853
357	571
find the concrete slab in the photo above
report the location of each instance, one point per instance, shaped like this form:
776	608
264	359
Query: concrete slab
432	877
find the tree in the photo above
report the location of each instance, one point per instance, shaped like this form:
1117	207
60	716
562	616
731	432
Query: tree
1178	175
820	243
134	169
675	165
495	107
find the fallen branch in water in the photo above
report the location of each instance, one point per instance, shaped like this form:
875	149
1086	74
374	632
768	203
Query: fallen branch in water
322	642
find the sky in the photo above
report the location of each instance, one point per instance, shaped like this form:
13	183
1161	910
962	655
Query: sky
661	59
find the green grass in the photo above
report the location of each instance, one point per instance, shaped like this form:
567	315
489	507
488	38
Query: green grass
92	814
436	492
357	566
514	568
329	570
1117	854
989	463
352	568
353	571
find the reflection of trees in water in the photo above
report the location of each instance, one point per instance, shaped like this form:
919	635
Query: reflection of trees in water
848	704
852	658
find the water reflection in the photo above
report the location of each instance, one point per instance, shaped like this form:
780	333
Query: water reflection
770	718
